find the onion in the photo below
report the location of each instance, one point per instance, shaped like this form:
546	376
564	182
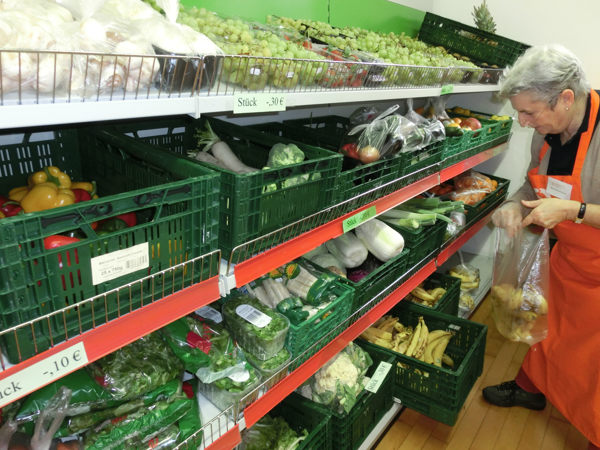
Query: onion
368	154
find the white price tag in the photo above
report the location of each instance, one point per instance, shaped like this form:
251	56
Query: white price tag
258	102
559	189
375	382
42	373
240	377
254	71
290	74
121	262
210	313
253	315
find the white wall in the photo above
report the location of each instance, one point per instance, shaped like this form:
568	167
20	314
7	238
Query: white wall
573	24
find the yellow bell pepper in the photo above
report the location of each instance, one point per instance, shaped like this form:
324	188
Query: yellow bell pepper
50	174
17	194
46	196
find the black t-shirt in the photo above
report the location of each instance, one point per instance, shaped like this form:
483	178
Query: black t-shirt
562	157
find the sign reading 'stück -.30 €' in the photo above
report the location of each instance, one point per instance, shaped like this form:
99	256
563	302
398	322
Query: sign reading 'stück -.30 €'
258	102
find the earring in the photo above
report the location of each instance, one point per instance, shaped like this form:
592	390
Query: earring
567	108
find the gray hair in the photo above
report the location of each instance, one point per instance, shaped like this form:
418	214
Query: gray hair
546	71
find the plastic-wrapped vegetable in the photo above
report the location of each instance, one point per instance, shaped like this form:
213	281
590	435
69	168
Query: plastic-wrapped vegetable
257	328
272	365
232	389
308	283
174	434
86	395
137	368
368	139
206	348
139	426
82	422
339	382
273	433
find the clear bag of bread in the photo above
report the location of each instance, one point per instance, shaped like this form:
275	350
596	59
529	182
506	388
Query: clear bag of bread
519	293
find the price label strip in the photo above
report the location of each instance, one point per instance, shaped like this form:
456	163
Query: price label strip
380	373
258	102
447	89
42	373
358	218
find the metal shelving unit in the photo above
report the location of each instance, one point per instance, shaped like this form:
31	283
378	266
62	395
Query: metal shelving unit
243	265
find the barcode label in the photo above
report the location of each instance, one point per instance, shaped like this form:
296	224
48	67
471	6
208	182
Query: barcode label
290	74
118	263
254	71
210	313
377	78
240	377
454	327
253	315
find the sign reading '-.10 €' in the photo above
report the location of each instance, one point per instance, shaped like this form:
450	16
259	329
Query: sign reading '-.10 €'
258	102
41	373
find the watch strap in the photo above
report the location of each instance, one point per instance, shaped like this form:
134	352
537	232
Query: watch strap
581	213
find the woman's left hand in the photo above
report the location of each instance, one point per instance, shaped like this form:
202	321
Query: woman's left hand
547	212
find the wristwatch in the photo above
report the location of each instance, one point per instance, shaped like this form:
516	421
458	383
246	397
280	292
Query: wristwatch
581	213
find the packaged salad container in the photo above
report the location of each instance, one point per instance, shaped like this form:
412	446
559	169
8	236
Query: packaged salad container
257	328
274	369
238	389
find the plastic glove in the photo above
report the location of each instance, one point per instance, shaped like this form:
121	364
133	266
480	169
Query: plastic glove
509	217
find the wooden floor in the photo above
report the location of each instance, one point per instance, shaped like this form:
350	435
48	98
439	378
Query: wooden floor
481	426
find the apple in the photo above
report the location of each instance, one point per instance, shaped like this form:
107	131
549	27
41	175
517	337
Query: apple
472	123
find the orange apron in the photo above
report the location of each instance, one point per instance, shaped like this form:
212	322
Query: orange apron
566	365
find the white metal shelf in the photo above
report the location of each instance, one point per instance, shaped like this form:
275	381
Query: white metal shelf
43	114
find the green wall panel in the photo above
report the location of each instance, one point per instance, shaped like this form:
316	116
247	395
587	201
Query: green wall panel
259	9
376	15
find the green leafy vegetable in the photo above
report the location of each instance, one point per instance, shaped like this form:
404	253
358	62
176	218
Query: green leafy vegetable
137	368
282	155
272	433
271	365
263	342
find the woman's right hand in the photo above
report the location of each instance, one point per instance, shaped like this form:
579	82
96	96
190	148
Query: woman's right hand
509	217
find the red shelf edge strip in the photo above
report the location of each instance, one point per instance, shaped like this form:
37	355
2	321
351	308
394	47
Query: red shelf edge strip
262	263
282	389
117	333
227	441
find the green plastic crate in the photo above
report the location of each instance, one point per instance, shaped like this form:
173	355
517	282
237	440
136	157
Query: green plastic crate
441	392
422	163
385	278
422	241
350	430
448	304
256	203
300	416
301	337
481	46
489	202
355	178
175	202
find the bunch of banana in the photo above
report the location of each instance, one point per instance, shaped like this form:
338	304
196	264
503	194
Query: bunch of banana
517	312
466	300
426	297
469	276
416	342
500	118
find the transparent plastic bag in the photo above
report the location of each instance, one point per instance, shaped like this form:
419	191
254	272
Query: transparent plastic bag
520	287
432	129
368	139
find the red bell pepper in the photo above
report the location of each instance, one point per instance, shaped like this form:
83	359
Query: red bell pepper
81	195
9	207
350	150
58	240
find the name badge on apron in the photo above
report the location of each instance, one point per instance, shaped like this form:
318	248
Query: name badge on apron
559	189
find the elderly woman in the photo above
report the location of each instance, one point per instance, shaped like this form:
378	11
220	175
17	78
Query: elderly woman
548	89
